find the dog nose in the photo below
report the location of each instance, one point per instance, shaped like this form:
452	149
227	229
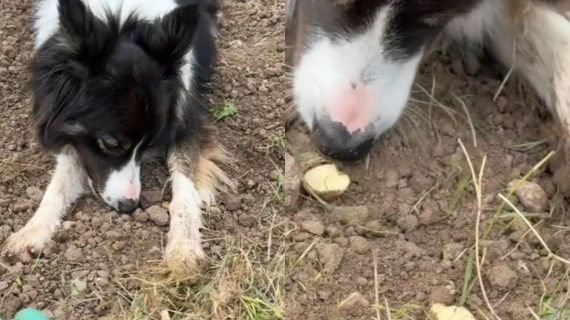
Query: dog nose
340	145
128	205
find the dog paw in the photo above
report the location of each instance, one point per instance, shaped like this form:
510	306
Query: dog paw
23	245
184	256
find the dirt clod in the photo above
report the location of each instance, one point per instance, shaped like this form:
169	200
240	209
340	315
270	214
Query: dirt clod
140	216
347	215
531	195
158	215
359	244
330	255
314	227
408	222
442	295
355	305
151	197
502	277
74	254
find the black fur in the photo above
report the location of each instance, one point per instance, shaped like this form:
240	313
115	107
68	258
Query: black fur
106	89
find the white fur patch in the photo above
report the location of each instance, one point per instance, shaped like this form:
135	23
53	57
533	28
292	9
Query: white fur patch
65	188
329	69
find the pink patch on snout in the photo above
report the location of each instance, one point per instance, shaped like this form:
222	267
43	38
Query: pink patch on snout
131	192
350	107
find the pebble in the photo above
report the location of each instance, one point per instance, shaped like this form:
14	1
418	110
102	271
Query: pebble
392	178
233	203
314	227
354	214
330	255
531	195
332	231
408	222
359	244
502	276
356	303
22	206
34	193
151	197
140	216
74	254
442	295
158	215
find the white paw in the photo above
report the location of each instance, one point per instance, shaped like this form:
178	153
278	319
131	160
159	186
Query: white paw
183	256
26	243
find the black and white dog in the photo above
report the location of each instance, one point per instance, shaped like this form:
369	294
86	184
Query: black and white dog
114	81
353	62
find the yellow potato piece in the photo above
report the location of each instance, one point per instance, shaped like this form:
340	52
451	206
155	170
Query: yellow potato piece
442	312
326	181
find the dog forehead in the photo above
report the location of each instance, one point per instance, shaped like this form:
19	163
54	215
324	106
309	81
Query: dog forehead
354	15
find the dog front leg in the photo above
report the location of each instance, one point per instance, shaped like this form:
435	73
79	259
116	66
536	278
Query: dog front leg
65	187
196	177
532	38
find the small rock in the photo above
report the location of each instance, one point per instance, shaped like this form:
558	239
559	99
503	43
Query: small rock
314	227
502	276
531	195
356	304
355	214
74	254
22	206
102	282
442	295
151	197
233	203
158	215
330	255
140	216
4	202
34	193
408	222
392	178
332	231
359	244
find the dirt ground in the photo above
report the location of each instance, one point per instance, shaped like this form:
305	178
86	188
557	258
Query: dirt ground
403	235
104	265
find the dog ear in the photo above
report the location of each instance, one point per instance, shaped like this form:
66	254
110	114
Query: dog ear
90	36
75	18
169	38
53	112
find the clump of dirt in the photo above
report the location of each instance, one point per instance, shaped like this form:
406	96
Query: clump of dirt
403	235
97	264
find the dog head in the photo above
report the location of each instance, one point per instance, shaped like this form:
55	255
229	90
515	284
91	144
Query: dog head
108	88
353	63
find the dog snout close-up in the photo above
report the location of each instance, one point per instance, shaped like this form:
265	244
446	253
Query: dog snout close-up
415	127
353	63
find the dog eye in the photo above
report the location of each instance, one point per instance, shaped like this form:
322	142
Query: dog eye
112	146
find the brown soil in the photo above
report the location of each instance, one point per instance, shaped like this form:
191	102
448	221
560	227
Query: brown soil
103	249
413	206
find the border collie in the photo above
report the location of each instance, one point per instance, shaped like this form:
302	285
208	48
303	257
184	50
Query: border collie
353	62
114	81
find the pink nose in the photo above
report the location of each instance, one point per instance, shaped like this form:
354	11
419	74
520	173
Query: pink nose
350	107
131	192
